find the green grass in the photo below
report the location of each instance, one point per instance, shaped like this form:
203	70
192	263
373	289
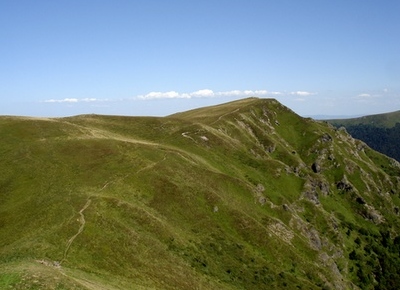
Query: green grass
211	198
385	120
8	281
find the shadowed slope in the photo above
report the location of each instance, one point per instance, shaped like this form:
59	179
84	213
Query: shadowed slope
386	120
381	132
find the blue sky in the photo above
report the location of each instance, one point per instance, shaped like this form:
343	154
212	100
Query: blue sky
156	57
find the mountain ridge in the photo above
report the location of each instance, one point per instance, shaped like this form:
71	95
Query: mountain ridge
379	131
383	120
242	195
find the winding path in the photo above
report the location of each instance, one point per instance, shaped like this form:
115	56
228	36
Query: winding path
83	222
220	117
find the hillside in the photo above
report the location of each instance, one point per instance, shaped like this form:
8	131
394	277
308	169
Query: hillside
381	132
385	120
244	195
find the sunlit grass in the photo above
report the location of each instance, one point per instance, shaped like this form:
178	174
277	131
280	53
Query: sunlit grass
211	198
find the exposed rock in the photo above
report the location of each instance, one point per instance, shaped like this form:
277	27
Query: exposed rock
315	241
311	234
260	188
394	163
316	167
258	192
297	170
360	200
307	231
373	215
351	167
262	200
271	148
344	185
361	146
335	224
342	129
331	265
326	138
312	196
324	188
281	231
314	186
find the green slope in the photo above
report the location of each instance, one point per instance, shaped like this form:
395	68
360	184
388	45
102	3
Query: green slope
381	132
385	120
244	195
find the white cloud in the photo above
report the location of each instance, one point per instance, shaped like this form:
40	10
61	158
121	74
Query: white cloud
275	93
74	100
205	93
67	100
364	96
231	93
256	93
163	95
202	93
302	93
90	100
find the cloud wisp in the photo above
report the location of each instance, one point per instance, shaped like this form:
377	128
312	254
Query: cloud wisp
364	97
302	93
74	100
205	93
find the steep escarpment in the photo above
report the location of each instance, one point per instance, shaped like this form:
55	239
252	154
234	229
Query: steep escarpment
244	195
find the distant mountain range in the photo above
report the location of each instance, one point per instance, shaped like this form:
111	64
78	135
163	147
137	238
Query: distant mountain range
381	131
330	117
243	195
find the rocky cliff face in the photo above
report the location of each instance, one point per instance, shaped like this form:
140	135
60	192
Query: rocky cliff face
244	195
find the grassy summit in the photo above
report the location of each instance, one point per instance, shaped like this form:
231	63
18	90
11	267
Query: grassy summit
244	195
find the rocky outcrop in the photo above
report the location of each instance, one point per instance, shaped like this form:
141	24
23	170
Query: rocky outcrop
313	187
344	185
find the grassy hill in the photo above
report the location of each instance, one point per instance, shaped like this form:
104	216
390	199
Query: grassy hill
244	195
381	132
385	120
